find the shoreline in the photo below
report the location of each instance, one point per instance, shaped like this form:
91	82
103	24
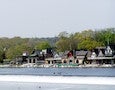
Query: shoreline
56	66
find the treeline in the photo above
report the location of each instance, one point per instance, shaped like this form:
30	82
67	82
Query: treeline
10	48
86	40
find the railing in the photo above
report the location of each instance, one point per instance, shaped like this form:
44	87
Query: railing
100	58
67	65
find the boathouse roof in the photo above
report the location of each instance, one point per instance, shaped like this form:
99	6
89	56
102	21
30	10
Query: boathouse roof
81	53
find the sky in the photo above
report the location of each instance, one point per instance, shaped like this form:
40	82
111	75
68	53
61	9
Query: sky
47	18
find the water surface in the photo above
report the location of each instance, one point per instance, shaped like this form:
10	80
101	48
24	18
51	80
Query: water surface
48	86
91	76
59	71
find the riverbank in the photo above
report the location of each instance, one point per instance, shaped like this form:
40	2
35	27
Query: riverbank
60	65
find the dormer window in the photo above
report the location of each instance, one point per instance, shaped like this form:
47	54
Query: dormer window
93	55
56	56
108	51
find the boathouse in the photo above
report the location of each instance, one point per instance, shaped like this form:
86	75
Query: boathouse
102	55
56	59
81	56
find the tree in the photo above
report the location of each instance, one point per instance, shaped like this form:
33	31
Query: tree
63	44
42	45
66	42
63	34
73	42
106	36
17	50
88	44
1	56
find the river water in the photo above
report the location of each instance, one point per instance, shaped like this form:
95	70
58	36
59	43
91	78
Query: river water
106	72
57	78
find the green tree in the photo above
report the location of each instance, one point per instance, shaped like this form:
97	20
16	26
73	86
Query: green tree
86	40
73	42
88	44
1	56
106	36
17	50
63	44
42	45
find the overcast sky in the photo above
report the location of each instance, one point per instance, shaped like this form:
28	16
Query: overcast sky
47	18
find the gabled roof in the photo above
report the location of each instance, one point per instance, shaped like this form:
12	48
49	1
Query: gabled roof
81	53
89	54
33	55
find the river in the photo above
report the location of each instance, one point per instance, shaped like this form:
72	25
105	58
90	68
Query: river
57	78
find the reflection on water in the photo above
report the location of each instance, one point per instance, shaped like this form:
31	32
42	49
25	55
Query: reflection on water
47	86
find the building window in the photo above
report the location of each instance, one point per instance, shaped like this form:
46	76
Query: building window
33	60
77	61
65	61
70	61
29	60
48	62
